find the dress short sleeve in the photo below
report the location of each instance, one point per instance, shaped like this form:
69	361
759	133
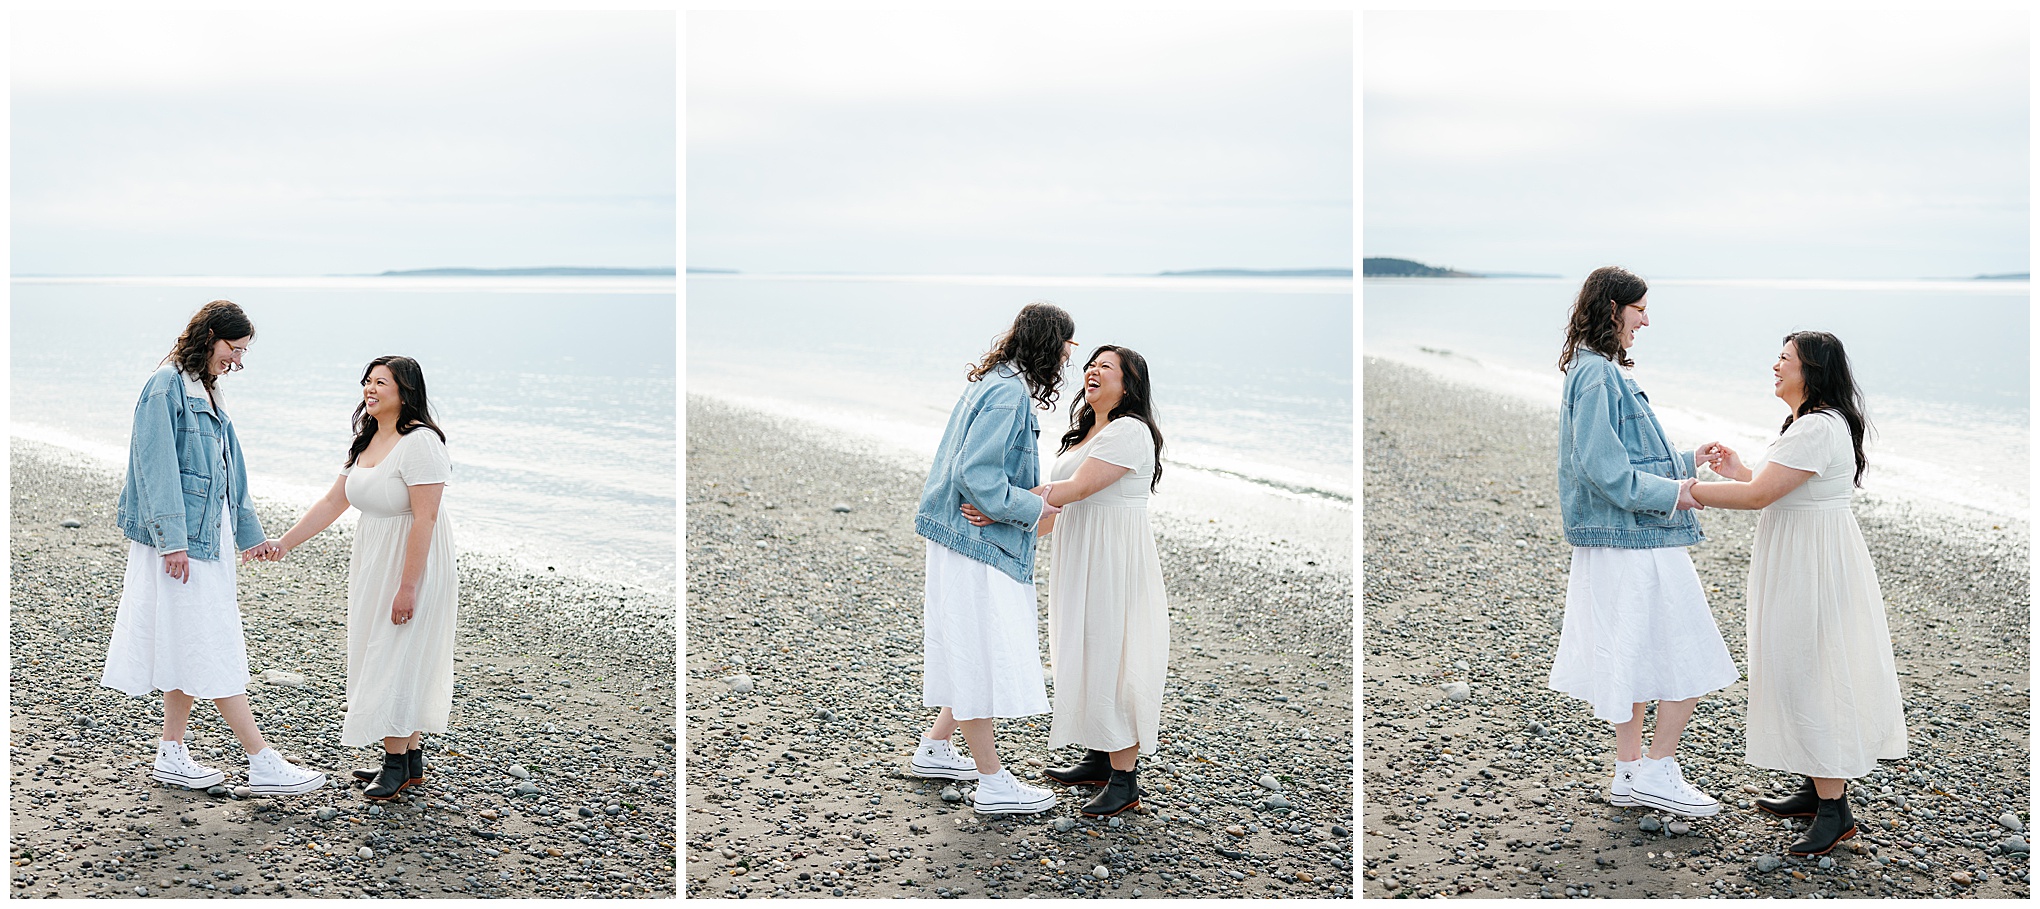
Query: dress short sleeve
1125	442
1808	444
425	460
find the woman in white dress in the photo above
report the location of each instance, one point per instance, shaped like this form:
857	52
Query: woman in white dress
1108	614
981	652
1824	697
184	502
402	590
1637	624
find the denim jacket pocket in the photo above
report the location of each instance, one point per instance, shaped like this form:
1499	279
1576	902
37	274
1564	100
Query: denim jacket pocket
196	486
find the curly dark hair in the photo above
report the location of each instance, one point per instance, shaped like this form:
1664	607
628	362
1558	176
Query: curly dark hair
1830	385
413	409
217	321
1035	342
1137	401
1592	324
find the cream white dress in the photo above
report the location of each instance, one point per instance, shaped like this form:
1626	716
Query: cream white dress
399	677
1108	612
1824	697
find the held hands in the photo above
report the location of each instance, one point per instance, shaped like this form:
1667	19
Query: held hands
267	551
1686	500
1722	460
406	601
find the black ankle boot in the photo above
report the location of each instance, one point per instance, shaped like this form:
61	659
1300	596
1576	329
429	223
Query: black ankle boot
1832	823
1804	803
417	758
395	775
1122	791
1094	770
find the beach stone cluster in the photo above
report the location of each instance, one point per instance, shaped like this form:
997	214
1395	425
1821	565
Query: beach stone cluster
554	779
1482	782
804	580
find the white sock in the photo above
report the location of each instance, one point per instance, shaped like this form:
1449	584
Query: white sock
988	777
927	742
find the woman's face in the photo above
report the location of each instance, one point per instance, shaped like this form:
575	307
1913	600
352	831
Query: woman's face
1630	318
1103	382
1791	383
226	355
380	396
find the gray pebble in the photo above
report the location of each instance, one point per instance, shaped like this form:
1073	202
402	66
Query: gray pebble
840	508
519	771
1826	862
2015	843
1062	824
365	852
1276	803
216	790
1768	863
70	522
1650	824
1457	691
327	814
1101	872
1269	782
585	811
2010	821
740	683
527	788
949	794
1678	828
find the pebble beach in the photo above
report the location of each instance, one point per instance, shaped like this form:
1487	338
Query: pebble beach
803	638
554	779
1481	782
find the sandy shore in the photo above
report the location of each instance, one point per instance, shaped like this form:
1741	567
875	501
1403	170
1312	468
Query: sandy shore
555	778
1502	793
804	704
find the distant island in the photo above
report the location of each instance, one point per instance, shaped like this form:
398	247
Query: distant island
711	271
1385	267
1260	273
527	272
2012	276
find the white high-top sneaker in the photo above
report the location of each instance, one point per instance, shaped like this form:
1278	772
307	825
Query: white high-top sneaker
175	766
1625	777
937	759
270	774
1002	794
1660	784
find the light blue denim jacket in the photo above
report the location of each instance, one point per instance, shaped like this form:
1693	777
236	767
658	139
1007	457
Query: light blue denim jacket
987	458
1618	475
175	474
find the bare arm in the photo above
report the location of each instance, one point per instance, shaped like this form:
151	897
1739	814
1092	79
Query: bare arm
417	545
320	516
1770	485
1091	476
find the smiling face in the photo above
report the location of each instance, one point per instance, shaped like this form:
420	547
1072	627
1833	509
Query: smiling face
1790	383
226	356
1630	318
379	396
1104	383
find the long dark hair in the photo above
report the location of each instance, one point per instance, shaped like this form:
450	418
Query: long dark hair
219	320
1830	385
1036	343
413	409
1137	401
1592	324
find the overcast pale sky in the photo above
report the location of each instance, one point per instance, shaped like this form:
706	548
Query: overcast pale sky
1019	143
1717	144
342	142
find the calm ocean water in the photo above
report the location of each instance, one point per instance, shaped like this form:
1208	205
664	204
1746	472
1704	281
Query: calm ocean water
1944	365
556	395
1253	378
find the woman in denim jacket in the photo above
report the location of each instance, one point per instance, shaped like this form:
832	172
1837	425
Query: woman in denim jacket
1637	625
184	503
981	649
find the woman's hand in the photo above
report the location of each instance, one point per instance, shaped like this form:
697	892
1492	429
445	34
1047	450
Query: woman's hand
178	565
1686	500
267	551
406	601
975	517
1723	460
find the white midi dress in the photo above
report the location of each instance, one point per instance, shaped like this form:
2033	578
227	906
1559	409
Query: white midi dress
1108	612
399	677
1637	628
179	636
980	644
1824	696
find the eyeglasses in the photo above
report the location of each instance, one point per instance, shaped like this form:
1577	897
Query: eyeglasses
234	365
